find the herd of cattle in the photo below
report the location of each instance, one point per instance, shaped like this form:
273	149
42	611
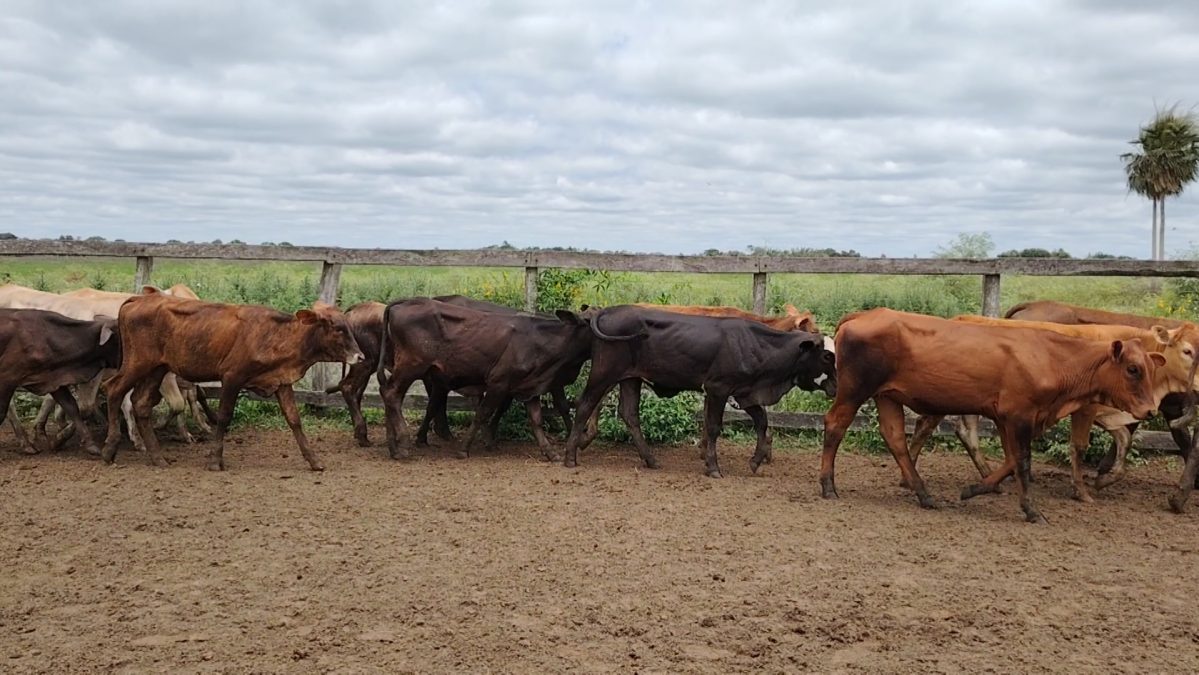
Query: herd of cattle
1044	361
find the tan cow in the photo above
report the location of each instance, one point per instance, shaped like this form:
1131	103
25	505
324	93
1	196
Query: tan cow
1177	346
1021	378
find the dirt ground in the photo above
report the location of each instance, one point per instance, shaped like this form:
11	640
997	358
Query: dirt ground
504	563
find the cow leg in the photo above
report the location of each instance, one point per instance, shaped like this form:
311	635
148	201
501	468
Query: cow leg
1190	474
62	396
145	396
352	388
1022	437
891	426
1109	459
990	483
493	425
437	396
135	434
192	393
176	406
1080	440
533	407
1121	440
630	413
925	426
392	392
713	423
115	389
967	432
836	421
216	455
490	404
562	407
18	429
43	418
287	403
589	404
764	452
208	413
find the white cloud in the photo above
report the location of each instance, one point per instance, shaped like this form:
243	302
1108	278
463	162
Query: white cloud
885	127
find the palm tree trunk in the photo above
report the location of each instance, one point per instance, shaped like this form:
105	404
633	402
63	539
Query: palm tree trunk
1161	230
1153	250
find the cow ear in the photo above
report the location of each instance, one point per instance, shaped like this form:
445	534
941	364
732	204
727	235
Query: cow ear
1158	359
584	307
151	290
807	325
569	317
106	331
789	310
1117	350
307	316
1161	335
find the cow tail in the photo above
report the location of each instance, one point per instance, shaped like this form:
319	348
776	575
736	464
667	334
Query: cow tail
384	351
1015	309
613	338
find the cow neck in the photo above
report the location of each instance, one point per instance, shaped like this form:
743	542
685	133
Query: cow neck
1084	384
306	336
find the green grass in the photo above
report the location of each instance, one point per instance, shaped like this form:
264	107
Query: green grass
291	286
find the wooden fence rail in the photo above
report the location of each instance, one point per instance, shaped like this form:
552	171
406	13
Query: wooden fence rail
332	259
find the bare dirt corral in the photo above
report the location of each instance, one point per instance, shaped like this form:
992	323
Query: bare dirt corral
505	563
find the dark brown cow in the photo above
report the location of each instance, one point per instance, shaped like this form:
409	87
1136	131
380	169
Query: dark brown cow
724	358
792	318
366	323
518	356
435	412
45	352
1023	379
243	346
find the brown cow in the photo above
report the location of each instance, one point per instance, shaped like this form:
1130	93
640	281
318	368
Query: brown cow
792	320
46	352
1176	346
366	323
1173	407
1023	379
243	346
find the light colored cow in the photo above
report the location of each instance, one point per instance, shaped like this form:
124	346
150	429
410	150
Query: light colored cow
89	303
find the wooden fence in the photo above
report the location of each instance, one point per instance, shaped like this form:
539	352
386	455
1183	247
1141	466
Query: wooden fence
758	268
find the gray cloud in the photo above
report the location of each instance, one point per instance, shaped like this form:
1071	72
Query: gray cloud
885	127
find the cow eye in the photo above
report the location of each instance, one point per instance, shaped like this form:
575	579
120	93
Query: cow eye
1187	352
1134	371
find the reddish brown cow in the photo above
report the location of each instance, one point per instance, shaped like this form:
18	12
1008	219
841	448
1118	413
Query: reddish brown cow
1060	312
792	319
244	346
1023	379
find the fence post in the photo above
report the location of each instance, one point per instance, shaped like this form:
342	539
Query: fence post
141	277
324	375
760	293
991	295
530	289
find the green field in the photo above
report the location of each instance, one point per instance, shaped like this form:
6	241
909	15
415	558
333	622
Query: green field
291	286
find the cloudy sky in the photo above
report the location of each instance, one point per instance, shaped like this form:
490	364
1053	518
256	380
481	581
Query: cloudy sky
887	127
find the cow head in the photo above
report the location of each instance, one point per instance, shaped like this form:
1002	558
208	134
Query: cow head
1179	347
329	334
815	367
804	321
1126	378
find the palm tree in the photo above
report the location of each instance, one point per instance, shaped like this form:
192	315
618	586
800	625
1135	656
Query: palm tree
1167	161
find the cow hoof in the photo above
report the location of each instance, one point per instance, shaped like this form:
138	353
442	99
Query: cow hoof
363	441
462	454
1035	516
93	450
653	463
160	462
972	491
828	489
754	466
550	456
926	501
215	466
713	473
317	467
1082	495
1177	503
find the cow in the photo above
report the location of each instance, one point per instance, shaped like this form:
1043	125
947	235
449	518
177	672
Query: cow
518	356
85	304
1023	379
46	352
243	346
792	318
1176	346
366	322
1174	407
721	357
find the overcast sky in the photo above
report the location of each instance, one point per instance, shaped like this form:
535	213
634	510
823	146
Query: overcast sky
647	126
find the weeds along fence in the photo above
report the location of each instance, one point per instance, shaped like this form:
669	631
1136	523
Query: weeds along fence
757	268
